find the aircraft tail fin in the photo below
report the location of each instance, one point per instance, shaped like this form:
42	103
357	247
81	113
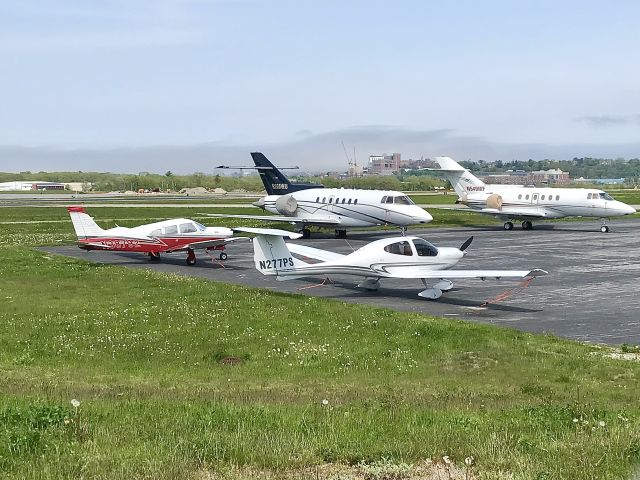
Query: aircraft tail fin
272	256
83	223
275	182
461	179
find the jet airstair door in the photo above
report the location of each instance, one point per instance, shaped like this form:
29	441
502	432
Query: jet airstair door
332	200
534	199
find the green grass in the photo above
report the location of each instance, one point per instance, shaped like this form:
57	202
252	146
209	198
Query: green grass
145	354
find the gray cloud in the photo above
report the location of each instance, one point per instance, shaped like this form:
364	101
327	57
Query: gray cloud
312	152
599	121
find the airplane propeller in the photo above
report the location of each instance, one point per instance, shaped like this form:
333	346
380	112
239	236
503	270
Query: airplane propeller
466	243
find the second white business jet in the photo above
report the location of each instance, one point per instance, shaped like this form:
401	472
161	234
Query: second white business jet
511	202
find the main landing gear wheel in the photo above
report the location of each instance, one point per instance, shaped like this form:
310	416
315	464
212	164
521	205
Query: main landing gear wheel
306	233
191	257
508	225
341	233
604	229
527	225
154	256
223	256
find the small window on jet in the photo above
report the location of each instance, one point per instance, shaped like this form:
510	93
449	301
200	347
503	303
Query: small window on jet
557	197
343	200
542	197
384	199
318	200
171	229
520	197
324	199
355	201
526	197
349	202
403	200
589	197
330	199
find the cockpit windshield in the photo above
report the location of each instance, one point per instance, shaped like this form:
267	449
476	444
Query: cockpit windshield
605	196
199	226
403	200
424	248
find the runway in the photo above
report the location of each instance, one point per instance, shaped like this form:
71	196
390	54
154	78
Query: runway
589	295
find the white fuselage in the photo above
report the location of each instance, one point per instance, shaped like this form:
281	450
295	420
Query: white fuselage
521	202
353	207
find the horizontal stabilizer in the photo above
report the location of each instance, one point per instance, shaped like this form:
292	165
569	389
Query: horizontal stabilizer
314	253
268	231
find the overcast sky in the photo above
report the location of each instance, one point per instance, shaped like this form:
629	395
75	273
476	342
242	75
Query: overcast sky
132	85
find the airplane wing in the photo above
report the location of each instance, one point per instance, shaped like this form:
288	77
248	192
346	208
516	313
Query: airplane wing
320	221
481	274
211	243
512	214
314	253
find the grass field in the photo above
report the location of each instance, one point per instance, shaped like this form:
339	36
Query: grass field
184	378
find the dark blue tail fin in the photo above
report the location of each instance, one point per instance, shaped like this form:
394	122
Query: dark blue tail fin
275	182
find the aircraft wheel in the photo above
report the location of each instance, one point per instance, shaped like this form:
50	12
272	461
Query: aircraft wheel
306	233
508	225
341	234
604	229
154	256
191	257
223	256
527	225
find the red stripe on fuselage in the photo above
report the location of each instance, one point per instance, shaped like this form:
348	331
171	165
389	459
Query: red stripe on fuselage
123	244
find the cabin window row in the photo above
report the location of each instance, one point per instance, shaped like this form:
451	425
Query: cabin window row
542	197
338	200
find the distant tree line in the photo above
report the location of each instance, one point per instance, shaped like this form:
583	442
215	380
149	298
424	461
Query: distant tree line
408	181
576	167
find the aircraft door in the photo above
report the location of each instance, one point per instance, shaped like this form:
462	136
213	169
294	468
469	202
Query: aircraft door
534	199
332	199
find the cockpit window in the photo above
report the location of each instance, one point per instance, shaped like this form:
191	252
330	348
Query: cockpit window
199	226
156	233
170	229
187	228
384	199
403	200
424	248
605	196
389	199
399	248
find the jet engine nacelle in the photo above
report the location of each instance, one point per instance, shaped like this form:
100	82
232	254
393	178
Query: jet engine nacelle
286	205
494	201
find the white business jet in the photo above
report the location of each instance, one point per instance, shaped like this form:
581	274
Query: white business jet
515	202
398	257
304	205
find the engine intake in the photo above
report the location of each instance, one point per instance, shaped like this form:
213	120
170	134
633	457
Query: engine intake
286	205
494	201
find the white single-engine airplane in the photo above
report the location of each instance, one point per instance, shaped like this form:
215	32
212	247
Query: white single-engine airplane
397	257
515	202
304	205
180	234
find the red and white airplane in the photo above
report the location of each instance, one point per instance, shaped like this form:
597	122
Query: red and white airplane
179	234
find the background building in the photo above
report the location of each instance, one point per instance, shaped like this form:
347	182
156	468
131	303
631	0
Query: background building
384	164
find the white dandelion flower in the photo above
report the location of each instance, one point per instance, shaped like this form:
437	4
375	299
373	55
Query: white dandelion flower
325	402
75	403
